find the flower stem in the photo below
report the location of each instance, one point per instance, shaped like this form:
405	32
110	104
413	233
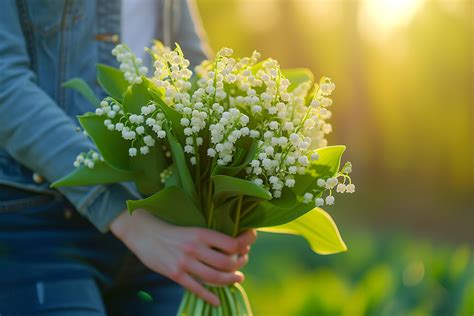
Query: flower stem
237	216
210	205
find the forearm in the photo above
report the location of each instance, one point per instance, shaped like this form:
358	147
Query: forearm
36	132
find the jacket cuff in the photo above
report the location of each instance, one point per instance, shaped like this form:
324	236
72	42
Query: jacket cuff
106	203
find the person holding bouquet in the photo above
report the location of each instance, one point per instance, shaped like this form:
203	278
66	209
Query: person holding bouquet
75	250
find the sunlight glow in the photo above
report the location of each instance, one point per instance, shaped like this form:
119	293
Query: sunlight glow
379	18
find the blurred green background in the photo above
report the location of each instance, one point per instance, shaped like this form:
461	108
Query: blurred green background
404	107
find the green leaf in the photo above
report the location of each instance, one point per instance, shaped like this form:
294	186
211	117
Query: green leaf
275	212
325	167
179	160
172	116
149	168
318	228
171	205
224	217
233	170
297	76
136	96
112	81
110	144
101	173
227	187
83	88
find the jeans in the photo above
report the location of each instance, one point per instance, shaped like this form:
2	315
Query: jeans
54	262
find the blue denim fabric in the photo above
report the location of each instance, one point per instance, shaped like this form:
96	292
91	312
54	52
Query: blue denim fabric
54	262
43	43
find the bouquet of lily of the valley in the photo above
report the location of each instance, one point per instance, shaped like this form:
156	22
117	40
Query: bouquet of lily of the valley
238	145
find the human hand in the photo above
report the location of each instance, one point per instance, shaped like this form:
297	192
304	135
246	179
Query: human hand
187	255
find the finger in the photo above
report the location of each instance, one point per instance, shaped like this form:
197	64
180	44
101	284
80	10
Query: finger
219	240
242	261
194	286
248	237
245	250
210	275
217	259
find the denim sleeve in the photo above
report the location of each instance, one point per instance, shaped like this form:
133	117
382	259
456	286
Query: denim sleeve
189	32
36	132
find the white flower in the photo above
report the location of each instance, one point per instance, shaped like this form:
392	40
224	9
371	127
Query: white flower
211	152
319	202
321	183
149	141
315	103
132	152
89	163
273	125
326	102
308	197
144	150
292	169
119	127
185	121
290	183
350	188
161	134
99	111
140	130
329	200
303	160
331	183
341	188
314	156
327	128
188	149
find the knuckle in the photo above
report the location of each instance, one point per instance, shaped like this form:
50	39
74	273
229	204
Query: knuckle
181	264
215	278
234	246
226	263
189	248
200	235
176	275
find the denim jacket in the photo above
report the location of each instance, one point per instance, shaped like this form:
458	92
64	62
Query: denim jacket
42	44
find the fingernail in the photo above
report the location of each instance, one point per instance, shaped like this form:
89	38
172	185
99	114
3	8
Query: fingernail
239	276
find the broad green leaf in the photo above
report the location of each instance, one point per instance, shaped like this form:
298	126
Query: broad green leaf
172	116
224	218
179	160
274	212
226	187
325	167
110	144
171	205
83	88
318	228
233	169
112	81
297	76
100	174
135	97
149	168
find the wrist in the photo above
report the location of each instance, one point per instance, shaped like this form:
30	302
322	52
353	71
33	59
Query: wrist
120	225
